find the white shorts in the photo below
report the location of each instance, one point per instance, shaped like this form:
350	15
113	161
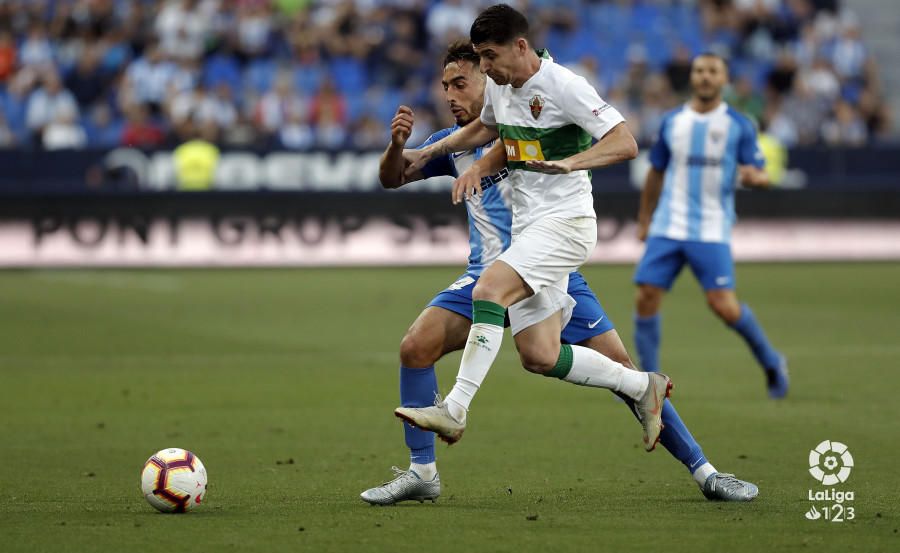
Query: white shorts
543	255
541	306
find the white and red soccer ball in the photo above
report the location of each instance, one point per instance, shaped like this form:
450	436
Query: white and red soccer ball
174	480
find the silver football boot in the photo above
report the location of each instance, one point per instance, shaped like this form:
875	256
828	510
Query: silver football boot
406	486
721	486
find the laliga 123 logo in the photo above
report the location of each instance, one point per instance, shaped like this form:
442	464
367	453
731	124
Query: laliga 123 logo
831	463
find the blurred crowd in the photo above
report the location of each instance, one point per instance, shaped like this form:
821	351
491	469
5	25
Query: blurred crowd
299	74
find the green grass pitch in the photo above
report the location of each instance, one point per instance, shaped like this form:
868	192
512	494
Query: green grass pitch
283	382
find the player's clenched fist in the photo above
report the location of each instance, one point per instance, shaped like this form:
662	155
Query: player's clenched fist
401	126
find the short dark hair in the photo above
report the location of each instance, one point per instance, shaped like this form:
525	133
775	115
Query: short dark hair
461	50
714	55
499	24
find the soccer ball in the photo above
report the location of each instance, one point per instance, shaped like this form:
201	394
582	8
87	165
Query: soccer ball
174	480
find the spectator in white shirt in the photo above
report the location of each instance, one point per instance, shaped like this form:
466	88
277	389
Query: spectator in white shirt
64	133
277	105
47	102
147	79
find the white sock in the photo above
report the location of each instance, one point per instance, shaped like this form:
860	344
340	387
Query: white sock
426	472
591	368
702	472
481	350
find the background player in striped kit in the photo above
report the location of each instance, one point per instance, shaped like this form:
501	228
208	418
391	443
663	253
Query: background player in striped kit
687	210
444	325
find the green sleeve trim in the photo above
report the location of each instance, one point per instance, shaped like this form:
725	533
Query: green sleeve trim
488	312
563	364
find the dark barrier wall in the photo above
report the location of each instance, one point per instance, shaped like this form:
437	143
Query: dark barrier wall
129	170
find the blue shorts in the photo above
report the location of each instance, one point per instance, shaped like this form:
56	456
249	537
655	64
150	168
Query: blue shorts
588	319
664	258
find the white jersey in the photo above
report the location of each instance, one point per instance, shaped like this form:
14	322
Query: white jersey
700	154
554	115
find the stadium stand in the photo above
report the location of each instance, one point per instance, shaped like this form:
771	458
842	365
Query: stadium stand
299	74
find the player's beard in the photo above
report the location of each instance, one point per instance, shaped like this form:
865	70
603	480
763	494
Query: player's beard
707	93
468	116
465	119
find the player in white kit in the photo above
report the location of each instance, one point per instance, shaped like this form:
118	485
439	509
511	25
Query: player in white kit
546	118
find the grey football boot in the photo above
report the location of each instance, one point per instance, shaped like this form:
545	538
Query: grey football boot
406	486
436	418
649	407
721	486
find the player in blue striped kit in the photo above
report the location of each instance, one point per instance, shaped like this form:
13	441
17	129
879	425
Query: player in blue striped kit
444	325
687	211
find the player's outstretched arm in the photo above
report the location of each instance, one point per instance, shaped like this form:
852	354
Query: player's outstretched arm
649	198
615	146
753	177
392	169
469	137
469	183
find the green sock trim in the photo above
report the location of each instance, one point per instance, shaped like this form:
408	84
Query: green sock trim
563	364
488	312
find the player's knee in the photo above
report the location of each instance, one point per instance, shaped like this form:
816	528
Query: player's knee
622	357
486	291
613	349
724	307
538	365
416	351
648	300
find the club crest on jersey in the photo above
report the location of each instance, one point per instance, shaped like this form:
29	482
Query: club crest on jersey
716	136
536	104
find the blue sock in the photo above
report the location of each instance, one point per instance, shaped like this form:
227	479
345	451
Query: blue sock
646	340
749	328
677	439
417	389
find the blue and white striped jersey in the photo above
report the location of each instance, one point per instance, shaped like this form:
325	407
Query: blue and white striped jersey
490	214
700	154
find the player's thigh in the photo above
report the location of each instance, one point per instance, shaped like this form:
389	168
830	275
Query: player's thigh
588	319
712	264
609	344
549	249
661	263
502	284
538	344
